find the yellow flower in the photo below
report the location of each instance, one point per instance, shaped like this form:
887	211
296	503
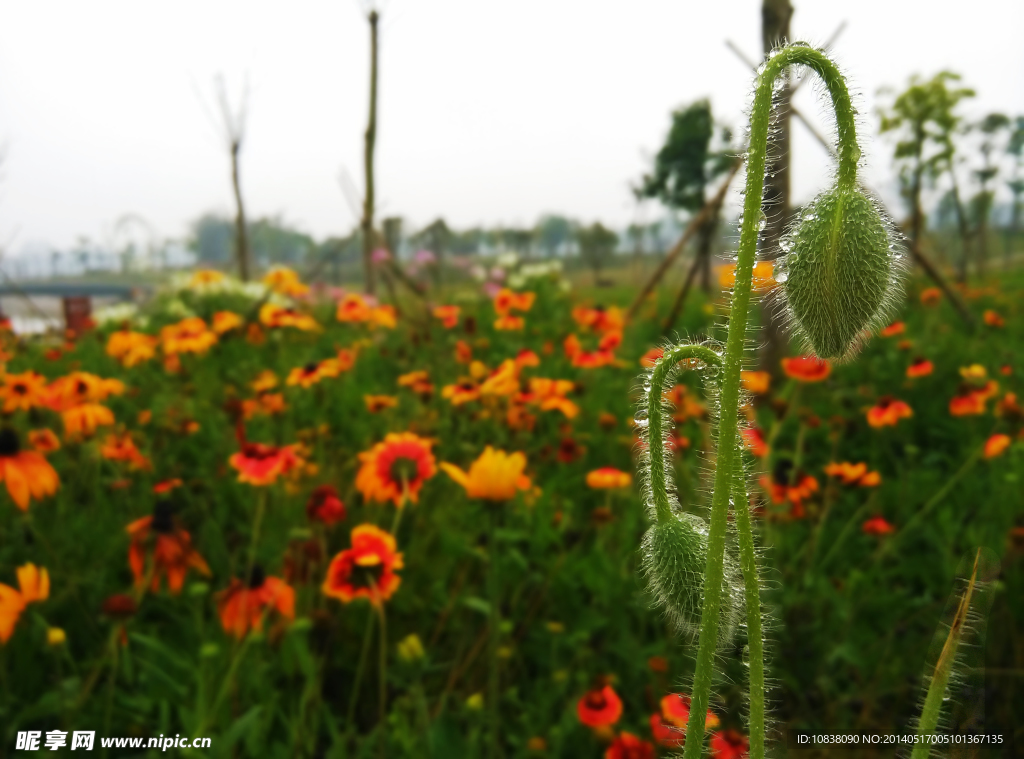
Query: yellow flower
974	371
410	648
475	702
494	476
55	636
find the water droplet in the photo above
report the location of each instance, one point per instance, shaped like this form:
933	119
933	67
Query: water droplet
641	423
781	276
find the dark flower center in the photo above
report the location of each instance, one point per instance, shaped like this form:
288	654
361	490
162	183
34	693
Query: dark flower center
310	368
596	700
20	389
782	471
163	517
9	445
81	388
257	577
404	469
366	576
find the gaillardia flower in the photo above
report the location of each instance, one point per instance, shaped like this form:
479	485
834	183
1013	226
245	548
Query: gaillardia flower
242	605
608	478
600	707
494	476
888	412
23	391
367	569
396	468
169	547
34	584
806	368
28	475
262	464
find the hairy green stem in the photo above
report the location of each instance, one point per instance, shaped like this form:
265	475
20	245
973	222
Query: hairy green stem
849	154
752	589
493	625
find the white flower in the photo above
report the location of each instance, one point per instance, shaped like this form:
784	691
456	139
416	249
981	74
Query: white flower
119	312
508	259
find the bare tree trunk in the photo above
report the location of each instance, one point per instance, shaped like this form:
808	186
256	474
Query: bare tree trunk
707	233
370	141
775	18
241	230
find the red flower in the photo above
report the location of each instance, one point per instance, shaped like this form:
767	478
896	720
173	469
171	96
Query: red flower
599	708
877	526
628	746
242	605
921	367
367	569
324	506
170	547
729	744
753	438
896	328
888	412
262	464
806	368
666	734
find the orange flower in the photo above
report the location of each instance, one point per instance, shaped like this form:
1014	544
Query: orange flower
666	735
83	420
608	478
921	367
649	359
242	606
509	323
170	549
853	474
494	476
995	445
80	387
877	526
599	318
506	300
367	569
43	441
970	401
396	469
888	412
930	296
352	308
265	380
225	321
312	372
526	357
763	278
203	277
729	744
23	391
463	353
384	316
27	474
285	281
122	448
600	707
806	368
187	336
449	315
418	381
325	506
262	464
166	486
264	403
780	491
34	584
503	381
993	319
585	359
273	316
550	394
628	746
756	382
896	328
131	348
753	438
465	391
377	403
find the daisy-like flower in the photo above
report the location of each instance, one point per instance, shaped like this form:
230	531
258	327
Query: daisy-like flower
377	403
82	420
550	395
243	605
265	380
352	308
599	708
131	348
877	525
756	383
384	316
888	412
205	277
367	569
599	318
921	367
168	548
262	464
464	391
779	489
585	359
225	321
44	441
34	586
121	447
526	357
448	315
190	335
312	373
396	468
806	368
729	744
494	476
325	506
275	316
503	381
896	328
853	474
996	445
418	381
79	388
608	478
284	281
763	280
629	746
509	323
27	474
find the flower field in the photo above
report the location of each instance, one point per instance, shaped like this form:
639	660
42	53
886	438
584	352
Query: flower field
307	523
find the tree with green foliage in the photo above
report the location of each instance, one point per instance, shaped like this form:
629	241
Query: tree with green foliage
924	120
683	169
597	245
211	238
981	204
1015	147
552	233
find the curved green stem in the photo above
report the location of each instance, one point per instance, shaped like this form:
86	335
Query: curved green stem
849	154
656	437
752	590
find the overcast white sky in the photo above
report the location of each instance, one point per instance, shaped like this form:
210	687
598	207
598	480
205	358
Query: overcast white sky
490	113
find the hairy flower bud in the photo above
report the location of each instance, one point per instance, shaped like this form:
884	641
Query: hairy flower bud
838	272
674	558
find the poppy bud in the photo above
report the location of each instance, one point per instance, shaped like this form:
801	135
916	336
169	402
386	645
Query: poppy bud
674	557
838	272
